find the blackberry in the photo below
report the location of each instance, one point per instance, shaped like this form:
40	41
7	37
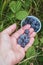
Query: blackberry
26	31
35	25
26	40
23	40
20	41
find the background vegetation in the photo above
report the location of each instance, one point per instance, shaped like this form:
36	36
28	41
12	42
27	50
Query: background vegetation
13	11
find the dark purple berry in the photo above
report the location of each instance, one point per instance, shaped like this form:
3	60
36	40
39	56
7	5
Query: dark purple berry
26	40
20	41
23	40
23	45
26	31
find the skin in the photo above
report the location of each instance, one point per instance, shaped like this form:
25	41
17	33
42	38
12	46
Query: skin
12	53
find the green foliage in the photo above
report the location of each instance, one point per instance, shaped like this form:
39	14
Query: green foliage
41	40
10	16
13	11
21	15
18	6
40	59
15	6
36	42
30	52
1	26
24	63
28	3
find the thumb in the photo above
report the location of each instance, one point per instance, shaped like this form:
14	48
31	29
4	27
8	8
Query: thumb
10	29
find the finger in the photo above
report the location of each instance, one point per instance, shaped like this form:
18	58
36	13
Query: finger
33	34
26	27
21	31
31	30
29	44
10	29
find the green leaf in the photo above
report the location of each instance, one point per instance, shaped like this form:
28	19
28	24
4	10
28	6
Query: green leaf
30	52
21	15
15	6
12	6
18	5
36	42
28	3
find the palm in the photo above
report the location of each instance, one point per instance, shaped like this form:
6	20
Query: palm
14	52
19	51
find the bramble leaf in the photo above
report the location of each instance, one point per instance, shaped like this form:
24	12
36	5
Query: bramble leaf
21	15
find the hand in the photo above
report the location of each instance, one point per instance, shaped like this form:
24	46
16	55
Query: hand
10	52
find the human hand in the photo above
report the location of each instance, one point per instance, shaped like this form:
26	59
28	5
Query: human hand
10	52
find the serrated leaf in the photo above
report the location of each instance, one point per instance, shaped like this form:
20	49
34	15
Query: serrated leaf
30	52
15	6
12	6
21	15
18	5
36	42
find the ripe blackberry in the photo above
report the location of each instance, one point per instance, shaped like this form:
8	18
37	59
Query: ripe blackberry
23	40
26	31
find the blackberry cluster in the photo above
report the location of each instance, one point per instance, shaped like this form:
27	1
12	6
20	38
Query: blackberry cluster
23	39
33	22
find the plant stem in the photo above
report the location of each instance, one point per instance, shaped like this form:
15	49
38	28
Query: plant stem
29	58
